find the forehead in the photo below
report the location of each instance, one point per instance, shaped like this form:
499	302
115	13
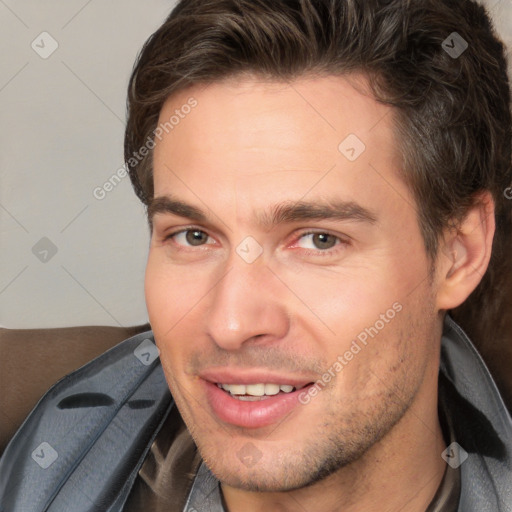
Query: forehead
262	142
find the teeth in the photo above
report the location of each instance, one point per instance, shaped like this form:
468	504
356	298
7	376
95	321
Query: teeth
271	389
234	389
255	390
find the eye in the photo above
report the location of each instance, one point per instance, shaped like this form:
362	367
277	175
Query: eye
190	237
318	241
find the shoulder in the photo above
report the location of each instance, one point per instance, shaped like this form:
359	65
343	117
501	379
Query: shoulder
35	359
481	423
94	425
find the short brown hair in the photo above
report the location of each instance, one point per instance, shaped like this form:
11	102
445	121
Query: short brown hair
452	114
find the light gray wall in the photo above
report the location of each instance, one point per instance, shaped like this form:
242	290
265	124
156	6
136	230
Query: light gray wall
66	257
61	136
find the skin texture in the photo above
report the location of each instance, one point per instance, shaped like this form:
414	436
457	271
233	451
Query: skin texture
370	439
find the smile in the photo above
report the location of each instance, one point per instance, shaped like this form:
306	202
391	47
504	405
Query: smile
253	405
255	392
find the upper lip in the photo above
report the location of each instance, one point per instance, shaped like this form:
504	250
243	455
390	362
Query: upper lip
252	376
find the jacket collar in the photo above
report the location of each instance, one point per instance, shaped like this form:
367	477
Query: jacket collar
481	421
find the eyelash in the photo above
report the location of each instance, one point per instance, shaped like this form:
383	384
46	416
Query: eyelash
339	245
315	252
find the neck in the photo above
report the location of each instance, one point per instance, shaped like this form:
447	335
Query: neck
400	472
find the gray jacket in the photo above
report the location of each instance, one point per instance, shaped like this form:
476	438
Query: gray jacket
82	446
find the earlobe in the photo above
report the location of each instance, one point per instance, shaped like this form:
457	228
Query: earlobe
465	252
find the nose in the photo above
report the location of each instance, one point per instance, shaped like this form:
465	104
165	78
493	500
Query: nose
245	305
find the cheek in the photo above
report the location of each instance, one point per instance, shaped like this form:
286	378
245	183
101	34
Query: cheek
389	367
381	335
159	292
175	300
346	302
171	292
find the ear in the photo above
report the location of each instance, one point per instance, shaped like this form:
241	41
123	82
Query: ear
464	253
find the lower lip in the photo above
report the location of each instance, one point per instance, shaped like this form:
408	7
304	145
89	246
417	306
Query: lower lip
260	413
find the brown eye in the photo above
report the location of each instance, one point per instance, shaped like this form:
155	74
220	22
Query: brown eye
196	237
189	237
319	241
324	240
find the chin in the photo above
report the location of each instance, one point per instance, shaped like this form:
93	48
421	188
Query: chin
278	469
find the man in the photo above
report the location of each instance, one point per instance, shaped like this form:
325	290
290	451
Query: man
324	182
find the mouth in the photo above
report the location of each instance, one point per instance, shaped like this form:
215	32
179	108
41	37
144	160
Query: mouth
257	392
254	405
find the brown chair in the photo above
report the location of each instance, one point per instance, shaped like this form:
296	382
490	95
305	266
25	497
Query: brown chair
31	360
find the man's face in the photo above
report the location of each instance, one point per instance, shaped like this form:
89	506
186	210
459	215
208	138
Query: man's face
307	266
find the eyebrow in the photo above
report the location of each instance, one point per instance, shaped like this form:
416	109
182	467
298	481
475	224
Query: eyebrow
287	212
167	204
